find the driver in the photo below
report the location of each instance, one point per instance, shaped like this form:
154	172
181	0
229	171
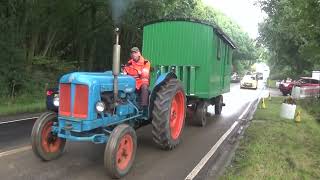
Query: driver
139	68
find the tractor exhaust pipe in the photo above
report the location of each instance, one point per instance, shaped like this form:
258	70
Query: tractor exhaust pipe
116	64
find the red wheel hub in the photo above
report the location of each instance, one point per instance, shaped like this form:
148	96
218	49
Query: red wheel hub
125	152
49	142
177	114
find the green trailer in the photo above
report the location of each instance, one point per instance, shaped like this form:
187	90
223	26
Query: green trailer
199	54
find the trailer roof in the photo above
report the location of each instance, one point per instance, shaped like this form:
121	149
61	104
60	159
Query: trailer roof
217	29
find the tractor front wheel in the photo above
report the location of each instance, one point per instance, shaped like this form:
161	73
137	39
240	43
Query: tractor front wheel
45	144
120	151
169	114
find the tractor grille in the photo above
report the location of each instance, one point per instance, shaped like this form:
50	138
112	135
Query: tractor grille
80	109
80	104
65	100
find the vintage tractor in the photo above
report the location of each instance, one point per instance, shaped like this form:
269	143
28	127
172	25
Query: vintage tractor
105	108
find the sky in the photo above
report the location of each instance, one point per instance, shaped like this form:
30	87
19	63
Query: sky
244	12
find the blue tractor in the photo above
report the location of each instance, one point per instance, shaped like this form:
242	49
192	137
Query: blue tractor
103	108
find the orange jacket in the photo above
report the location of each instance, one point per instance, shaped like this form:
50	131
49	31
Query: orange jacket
140	70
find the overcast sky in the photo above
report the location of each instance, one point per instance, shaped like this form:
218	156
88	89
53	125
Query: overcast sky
244	12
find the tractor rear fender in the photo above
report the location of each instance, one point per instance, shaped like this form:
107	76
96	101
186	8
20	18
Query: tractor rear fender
160	80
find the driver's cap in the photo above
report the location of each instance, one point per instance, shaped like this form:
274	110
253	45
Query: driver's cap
135	49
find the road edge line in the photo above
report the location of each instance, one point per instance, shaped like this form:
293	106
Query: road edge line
205	159
18	120
14	151
214	148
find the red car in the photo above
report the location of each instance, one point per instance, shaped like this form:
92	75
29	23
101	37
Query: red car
286	87
307	81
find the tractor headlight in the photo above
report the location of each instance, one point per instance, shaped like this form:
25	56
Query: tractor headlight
56	101
100	106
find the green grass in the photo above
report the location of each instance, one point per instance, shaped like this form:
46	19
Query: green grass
22	104
312	106
275	148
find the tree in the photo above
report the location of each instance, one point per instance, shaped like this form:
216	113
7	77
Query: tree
291	33
42	39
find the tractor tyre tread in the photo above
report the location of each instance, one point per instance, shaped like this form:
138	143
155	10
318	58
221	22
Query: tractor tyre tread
36	139
161	113
112	147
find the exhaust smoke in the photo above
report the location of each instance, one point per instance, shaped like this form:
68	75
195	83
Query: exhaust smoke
118	8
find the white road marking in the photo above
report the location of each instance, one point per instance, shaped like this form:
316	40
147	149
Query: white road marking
206	158
18	120
245	111
14	151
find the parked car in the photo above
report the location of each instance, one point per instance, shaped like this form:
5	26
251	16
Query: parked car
286	86
52	94
235	78
307	81
249	81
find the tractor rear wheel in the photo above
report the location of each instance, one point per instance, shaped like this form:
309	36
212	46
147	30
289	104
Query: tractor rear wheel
218	105
120	151
201	114
45	144
169	114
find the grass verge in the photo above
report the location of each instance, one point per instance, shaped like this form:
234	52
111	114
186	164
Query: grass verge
23	104
275	148
312	106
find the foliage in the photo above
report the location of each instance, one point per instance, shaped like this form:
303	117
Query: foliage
291	33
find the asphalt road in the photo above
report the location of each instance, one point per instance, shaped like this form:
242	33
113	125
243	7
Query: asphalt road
85	160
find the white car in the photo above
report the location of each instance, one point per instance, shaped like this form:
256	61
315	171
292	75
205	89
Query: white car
249	81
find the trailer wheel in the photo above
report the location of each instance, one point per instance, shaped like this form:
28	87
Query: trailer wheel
120	151
201	114
45	144
218	105
169	114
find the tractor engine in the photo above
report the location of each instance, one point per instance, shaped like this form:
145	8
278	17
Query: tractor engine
86	96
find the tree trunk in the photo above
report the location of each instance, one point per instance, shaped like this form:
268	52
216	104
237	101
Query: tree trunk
49	41
31	48
81	57
92	51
